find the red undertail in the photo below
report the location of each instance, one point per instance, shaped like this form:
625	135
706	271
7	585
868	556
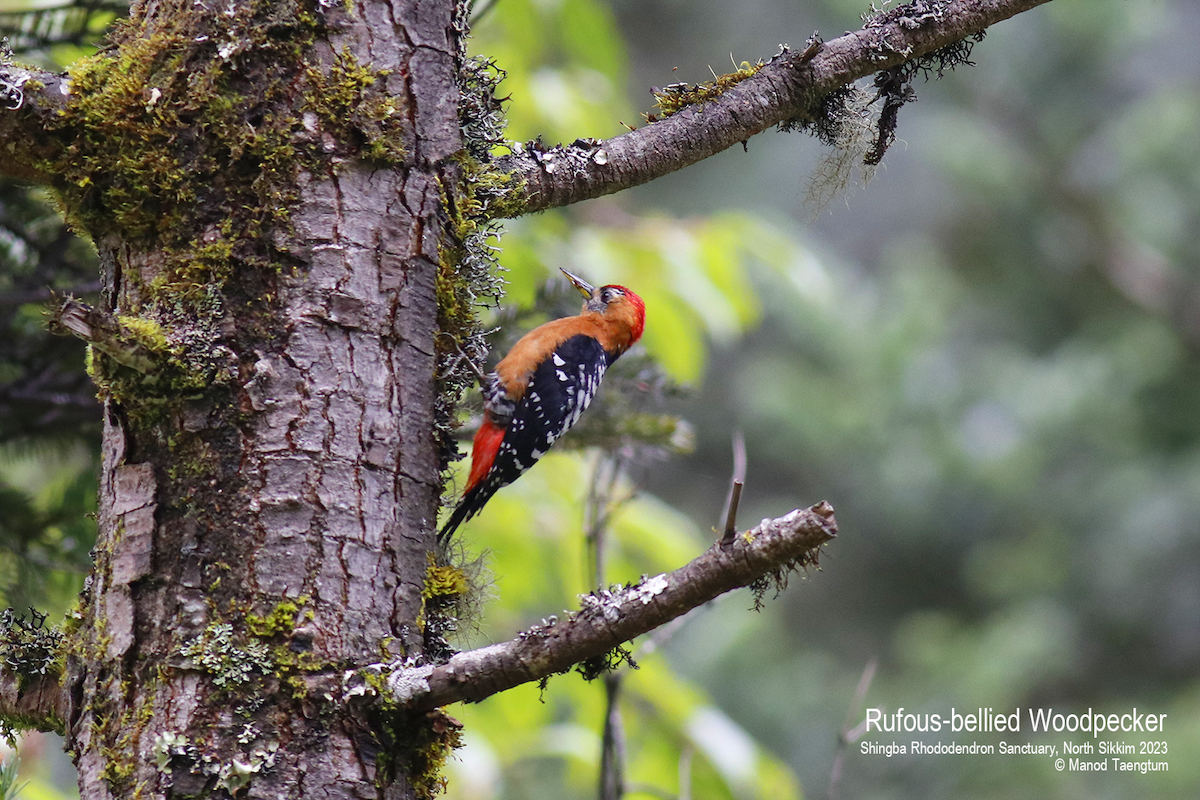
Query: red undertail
483	452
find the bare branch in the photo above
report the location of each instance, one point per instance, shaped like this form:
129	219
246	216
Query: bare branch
606	620
39	705
850	732
789	88
612	747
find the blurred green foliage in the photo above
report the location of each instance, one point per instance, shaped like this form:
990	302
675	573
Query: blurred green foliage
49	444
988	365
49	418
987	360
46	529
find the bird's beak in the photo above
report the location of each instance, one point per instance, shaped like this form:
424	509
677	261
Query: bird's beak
585	288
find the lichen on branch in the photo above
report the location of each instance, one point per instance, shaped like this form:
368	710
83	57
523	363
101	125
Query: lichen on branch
31	663
759	558
790	88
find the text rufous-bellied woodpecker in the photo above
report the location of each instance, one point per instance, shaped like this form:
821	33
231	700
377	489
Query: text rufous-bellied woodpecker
538	391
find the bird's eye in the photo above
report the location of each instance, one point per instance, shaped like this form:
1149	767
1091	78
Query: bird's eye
608	294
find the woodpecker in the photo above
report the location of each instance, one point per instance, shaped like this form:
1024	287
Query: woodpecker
539	390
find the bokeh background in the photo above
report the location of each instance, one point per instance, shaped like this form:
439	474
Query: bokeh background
987	359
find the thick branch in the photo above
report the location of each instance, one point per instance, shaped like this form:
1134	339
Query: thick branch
30	100
31	695
40	705
608	619
788	88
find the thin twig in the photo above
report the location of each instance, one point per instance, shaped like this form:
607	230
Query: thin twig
480	10
850	731
612	754
735	496
598	512
685	772
735	492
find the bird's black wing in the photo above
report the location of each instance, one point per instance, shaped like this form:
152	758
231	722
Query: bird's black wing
561	388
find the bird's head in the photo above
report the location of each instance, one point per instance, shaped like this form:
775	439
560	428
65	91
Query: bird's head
616	304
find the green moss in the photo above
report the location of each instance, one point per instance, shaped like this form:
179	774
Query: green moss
349	93
436	740
117	770
455	311
504	192
280	621
152	127
288	665
416	743
137	167
112	110
467	279
180	142
121	735
158	354
146	332
488	193
474	195
185	141
443	581
452	597
420	744
92	646
676	97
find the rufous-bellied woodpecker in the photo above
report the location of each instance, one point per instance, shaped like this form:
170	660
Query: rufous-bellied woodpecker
539	389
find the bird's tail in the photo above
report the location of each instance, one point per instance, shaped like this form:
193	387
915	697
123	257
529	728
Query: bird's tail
462	513
481	484
469	506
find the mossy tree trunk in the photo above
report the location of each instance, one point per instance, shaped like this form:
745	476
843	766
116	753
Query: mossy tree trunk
267	184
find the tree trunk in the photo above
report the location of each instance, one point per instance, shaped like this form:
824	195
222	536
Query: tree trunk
270	470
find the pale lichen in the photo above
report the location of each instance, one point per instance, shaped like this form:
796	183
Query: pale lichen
227	657
172	750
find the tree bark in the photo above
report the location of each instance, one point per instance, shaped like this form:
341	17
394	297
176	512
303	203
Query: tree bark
270	474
